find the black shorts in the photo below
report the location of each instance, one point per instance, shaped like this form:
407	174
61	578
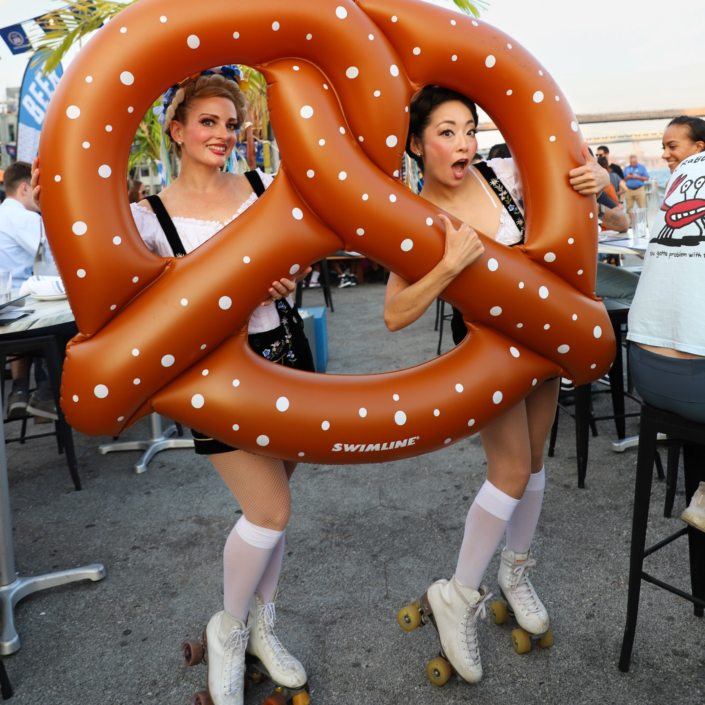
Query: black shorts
275	346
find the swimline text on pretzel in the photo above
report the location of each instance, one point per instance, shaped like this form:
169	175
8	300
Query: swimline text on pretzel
362	448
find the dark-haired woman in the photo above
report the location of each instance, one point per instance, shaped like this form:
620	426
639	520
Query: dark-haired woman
684	137
487	199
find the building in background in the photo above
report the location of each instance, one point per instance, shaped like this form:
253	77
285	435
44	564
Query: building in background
9	109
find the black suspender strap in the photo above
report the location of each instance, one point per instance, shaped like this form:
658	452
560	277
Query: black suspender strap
167	225
504	196
255	181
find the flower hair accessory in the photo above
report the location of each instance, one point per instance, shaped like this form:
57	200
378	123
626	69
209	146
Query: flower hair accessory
229	71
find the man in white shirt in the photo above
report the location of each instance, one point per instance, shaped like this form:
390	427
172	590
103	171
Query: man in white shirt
20	224
20	233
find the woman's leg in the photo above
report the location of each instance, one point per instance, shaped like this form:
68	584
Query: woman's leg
267	586
540	414
261	487
507	447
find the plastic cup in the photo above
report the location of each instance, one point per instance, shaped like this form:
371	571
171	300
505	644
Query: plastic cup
5	285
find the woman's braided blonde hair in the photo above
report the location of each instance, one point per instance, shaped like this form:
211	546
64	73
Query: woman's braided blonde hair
213	85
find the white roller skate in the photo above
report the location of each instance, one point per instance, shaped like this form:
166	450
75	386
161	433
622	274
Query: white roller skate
453	609
223	649
267	656
522	602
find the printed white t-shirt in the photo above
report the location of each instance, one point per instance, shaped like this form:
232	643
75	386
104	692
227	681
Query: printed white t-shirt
668	310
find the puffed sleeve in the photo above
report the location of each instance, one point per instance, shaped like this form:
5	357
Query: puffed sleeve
509	176
266	178
150	231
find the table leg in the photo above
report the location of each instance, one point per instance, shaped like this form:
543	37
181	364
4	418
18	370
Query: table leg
13	587
158	441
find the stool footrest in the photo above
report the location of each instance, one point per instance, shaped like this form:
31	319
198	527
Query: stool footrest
674	590
666	541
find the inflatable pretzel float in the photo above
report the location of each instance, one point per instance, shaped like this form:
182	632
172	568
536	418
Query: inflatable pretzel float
170	335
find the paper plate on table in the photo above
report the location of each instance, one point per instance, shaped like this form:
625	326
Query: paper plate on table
48	297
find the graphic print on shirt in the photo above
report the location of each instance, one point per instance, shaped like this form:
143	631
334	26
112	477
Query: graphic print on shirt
680	214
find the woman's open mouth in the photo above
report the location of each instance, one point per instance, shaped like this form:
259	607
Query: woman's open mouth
459	168
218	149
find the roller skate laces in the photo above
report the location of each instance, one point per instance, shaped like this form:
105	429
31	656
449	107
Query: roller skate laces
279	654
522	588
469	621
234	667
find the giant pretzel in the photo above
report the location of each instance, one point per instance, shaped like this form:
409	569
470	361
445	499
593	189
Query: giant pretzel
171	334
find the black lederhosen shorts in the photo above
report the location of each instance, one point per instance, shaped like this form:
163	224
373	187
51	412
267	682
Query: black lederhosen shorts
283	345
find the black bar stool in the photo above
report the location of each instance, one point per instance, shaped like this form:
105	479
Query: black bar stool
327	295
618	311
441	318
692	434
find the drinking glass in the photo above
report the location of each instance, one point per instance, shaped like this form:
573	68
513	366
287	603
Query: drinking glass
637	217
5	285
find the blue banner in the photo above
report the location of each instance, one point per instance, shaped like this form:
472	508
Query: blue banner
34	100
259	151
16	39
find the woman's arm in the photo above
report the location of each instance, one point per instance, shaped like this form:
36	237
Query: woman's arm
405	303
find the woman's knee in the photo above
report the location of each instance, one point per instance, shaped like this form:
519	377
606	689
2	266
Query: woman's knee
273	514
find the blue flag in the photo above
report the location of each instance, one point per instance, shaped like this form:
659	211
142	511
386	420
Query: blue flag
35	95
16	39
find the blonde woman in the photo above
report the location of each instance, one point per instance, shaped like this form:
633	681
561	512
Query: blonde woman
201	116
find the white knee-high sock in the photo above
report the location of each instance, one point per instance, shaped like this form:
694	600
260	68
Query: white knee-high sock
484	528
247	553
268	582
522	525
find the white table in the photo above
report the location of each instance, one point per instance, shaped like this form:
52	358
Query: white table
614	243
45	313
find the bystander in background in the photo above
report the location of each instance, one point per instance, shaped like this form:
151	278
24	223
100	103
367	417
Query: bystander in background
635	175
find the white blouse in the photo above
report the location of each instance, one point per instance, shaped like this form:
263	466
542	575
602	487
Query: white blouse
507	233
194	233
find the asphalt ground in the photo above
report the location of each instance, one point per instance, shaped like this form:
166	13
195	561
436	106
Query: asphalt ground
363	541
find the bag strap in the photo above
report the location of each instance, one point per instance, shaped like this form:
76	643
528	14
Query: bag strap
255	181
167	225
504	196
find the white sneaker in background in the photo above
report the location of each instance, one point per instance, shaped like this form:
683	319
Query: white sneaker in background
695	514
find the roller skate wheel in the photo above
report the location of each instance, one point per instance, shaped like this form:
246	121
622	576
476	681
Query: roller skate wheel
521	641
546	641
256	677
301	699
409	618
191	653
275	699
498	610
438	671
202	698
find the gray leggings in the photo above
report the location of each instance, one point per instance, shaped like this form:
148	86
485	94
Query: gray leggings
669	383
